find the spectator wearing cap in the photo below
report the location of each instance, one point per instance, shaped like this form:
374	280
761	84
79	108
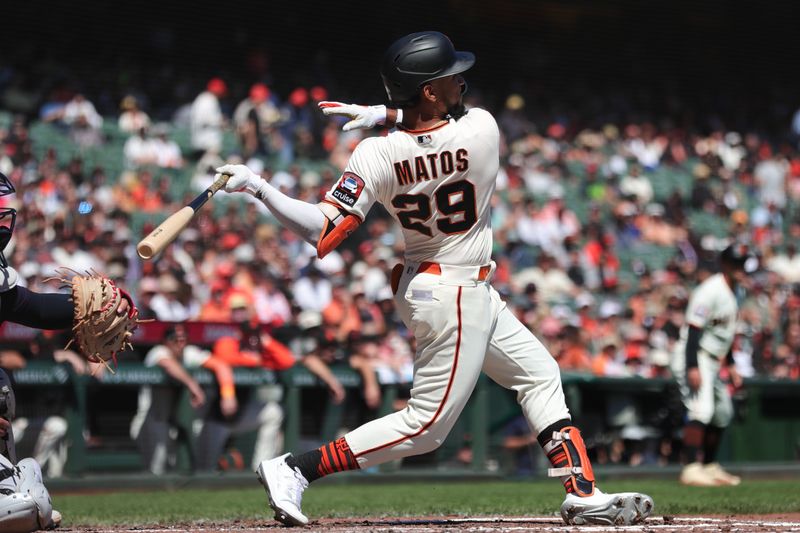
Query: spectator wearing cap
364	350
244	409
657	230
255	119
166	152
166	303
587	322
207	120
340	313
148	287
216	309
270	303
312	344
573	356
132	119
158	405
606	362
557	223
139	150
83	120
601	265
636	362
552	282
608	320
637	186
312	291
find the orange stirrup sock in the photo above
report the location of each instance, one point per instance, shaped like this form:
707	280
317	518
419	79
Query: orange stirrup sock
567	454
332	457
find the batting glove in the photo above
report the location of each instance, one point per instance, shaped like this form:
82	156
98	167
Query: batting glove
362	117
241	179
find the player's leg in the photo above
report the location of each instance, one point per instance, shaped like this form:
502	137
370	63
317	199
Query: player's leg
451	329
27	506
50	450
699	411
211	442
153	439
264	416
723	414
18	511
518	361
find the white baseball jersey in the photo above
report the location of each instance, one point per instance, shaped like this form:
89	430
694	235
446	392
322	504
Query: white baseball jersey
437	183
712	308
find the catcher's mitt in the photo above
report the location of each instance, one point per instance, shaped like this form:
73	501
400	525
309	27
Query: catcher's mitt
101	328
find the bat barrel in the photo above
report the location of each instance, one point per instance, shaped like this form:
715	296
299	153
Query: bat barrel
167	231
145	250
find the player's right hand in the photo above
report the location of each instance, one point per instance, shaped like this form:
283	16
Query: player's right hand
196	396
362	117
228	406
5	427
241	179
693	379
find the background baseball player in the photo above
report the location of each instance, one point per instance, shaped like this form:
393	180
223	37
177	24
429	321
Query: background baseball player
436	176
706	342
24	501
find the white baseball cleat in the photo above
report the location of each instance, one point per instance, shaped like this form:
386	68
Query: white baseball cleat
55	520
717	473
284	486
622	509
696	475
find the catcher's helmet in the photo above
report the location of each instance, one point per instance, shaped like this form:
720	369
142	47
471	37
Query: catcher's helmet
417	59
8	218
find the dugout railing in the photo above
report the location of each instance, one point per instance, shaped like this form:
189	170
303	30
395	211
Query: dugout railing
767	409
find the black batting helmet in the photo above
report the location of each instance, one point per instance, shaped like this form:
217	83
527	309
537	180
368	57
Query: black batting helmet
418	58
739	257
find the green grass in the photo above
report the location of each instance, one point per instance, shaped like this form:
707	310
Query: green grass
411	499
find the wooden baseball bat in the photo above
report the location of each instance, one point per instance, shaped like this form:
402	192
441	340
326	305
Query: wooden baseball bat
165	233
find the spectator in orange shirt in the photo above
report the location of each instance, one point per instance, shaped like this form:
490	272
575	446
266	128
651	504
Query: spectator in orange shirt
244	409
341	312
573	356
216	308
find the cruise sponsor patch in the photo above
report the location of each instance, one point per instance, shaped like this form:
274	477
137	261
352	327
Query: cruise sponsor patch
348	189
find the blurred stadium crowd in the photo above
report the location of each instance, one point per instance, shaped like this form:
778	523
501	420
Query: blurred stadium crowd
599	233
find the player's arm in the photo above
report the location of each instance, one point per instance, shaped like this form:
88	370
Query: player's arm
175	370
36	310
362	116
324	225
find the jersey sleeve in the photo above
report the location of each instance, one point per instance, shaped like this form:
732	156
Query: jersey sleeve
360	184
194	357
156	355
699	309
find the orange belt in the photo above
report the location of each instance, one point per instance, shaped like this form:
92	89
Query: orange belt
434	268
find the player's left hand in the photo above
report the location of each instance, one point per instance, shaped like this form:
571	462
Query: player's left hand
736	377
5	427
362	117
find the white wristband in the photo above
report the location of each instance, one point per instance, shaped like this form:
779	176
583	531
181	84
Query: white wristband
399	118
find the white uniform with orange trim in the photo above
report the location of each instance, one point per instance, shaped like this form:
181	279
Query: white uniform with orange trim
438	184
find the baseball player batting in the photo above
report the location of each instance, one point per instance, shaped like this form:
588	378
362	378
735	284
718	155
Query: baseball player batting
705	343
24	500
436	175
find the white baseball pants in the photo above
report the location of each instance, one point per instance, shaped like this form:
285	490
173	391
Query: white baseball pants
461	327
711	404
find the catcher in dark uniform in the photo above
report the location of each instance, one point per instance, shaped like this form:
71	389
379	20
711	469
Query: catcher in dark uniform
102	317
